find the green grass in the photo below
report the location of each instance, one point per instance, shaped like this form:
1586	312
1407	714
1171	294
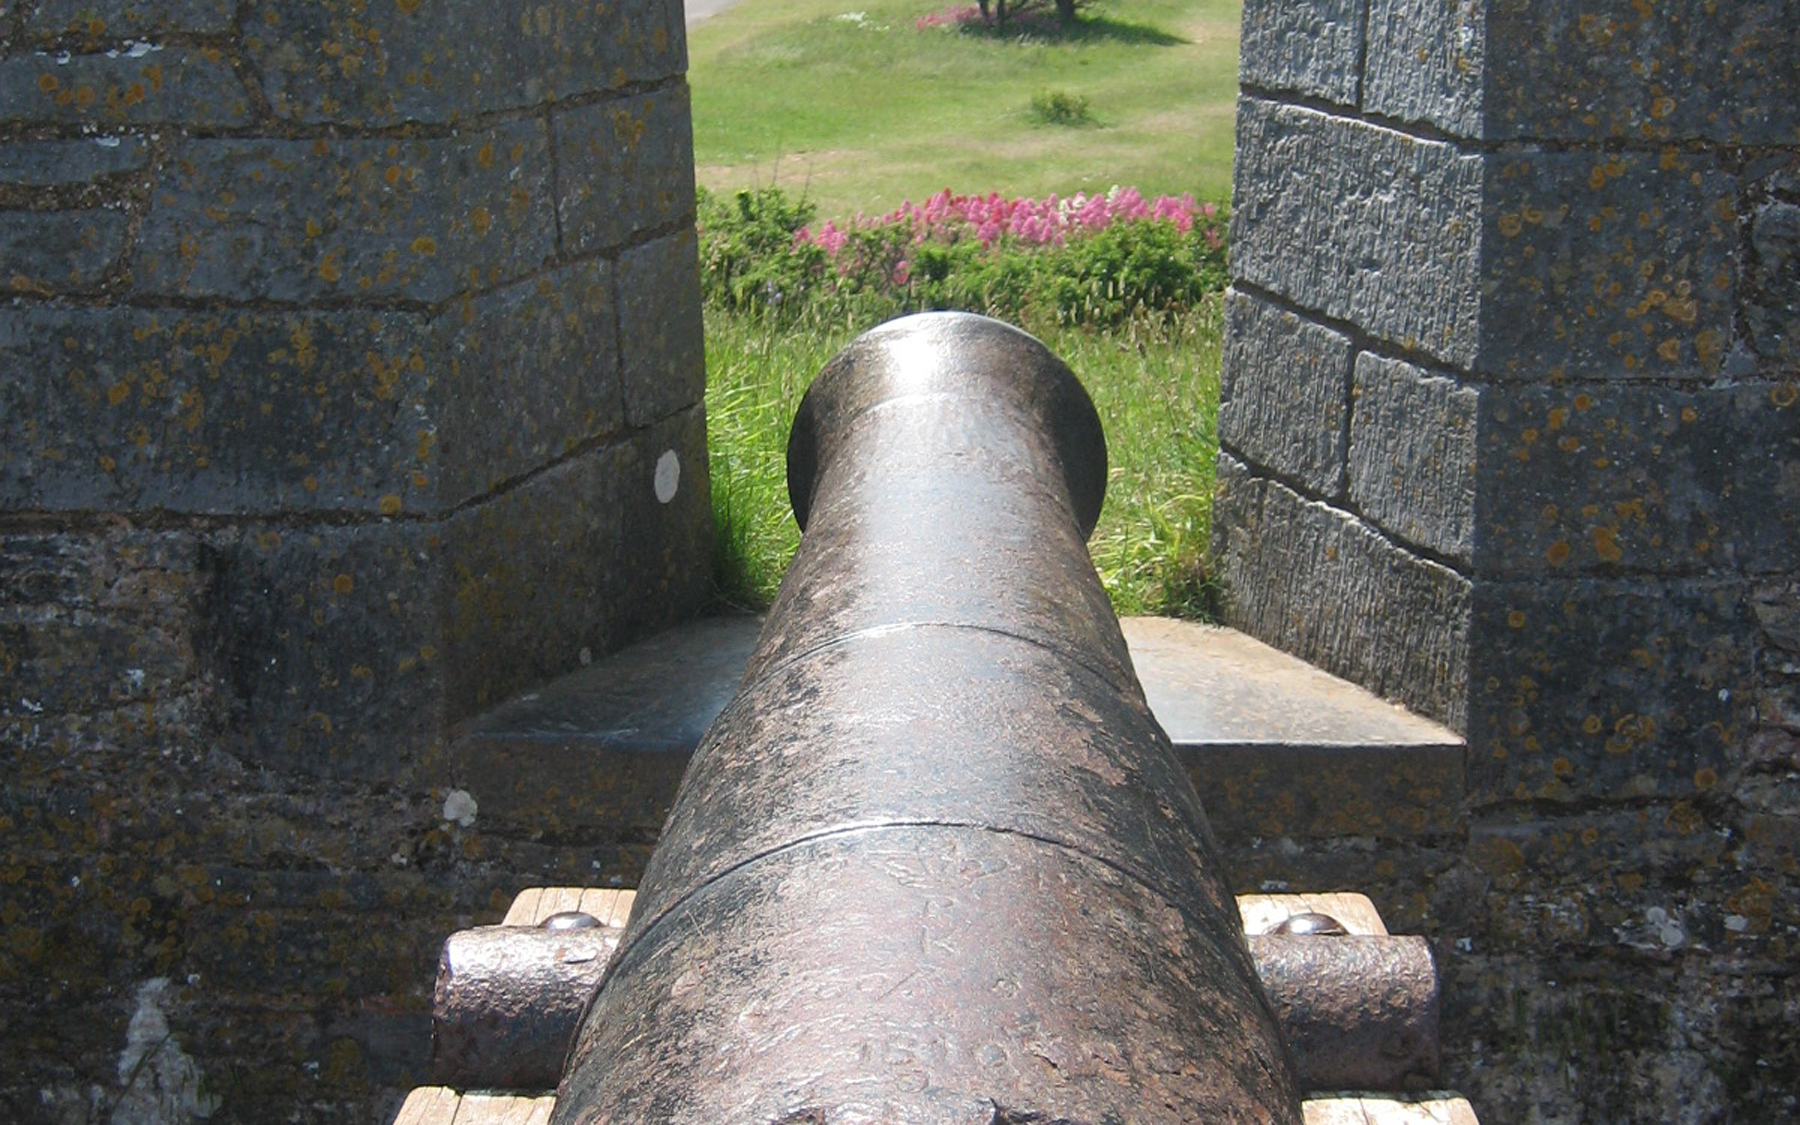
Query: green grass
1156	389
847	104
860	114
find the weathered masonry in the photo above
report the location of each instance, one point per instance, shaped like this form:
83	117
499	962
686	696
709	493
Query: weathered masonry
1512	434
350	379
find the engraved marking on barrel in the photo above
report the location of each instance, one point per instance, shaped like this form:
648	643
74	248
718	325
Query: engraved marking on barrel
668	476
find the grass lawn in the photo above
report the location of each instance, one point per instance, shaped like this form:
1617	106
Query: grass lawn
849	103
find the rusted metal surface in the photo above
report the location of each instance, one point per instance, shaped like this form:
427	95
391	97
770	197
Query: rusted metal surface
508	1000
1359	1013
936	862
1375	994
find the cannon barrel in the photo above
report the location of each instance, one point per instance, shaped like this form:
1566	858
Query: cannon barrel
936	862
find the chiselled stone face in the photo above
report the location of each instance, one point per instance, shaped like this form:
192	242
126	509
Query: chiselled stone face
343	347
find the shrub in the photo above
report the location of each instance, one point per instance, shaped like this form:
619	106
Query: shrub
1059	107
1094	260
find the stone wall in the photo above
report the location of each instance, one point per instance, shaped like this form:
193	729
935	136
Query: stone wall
350	380
1511	434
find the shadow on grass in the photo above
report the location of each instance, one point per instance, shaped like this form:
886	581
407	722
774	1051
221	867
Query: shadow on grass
1035	26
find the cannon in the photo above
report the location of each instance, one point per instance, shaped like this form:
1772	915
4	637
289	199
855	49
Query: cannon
936	862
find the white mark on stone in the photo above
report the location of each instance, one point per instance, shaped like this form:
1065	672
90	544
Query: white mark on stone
161	1081
668	476
32	705
459	807
586	656
1465	945
1736	923
107	142
139	49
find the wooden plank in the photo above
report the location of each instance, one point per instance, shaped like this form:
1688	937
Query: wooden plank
1260	913
1357	1109
429	1105
523	911
504	1109
611	905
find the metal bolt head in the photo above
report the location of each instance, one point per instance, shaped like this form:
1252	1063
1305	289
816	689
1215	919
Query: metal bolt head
1310	922
570	920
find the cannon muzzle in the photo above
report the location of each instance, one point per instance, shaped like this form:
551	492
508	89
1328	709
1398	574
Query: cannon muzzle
936	862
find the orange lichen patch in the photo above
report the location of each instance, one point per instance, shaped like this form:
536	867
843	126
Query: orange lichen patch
1606	544
1558	552
1784	395
390	504
1562	767
343	584
424	245
1516	619
1705	778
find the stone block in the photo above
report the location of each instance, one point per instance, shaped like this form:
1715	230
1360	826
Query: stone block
221	411
1613	71
1427	61
417	218
97	641
1635	477
122	19
1362	223
1310	49
1679	70
51	252
1596	690
585	556
1772	292
77	162
625	165
533	375
660	338
145	84
1285	386
1606	265
1413	455
349	62
1320	584
326	642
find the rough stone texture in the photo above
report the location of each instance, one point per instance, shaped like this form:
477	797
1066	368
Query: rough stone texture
1686	70
1361	223
627	165
1606	264
51	252
383	64
533	374
316	439
1413	455
1774	304
664	350
1284	385
1312	580
120	19
217	411
1561	238
1615	478
581	557
1311	49
355	218
1595	690
141	85
1427	61
55	163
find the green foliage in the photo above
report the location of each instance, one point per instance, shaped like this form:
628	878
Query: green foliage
1059	107
754	259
